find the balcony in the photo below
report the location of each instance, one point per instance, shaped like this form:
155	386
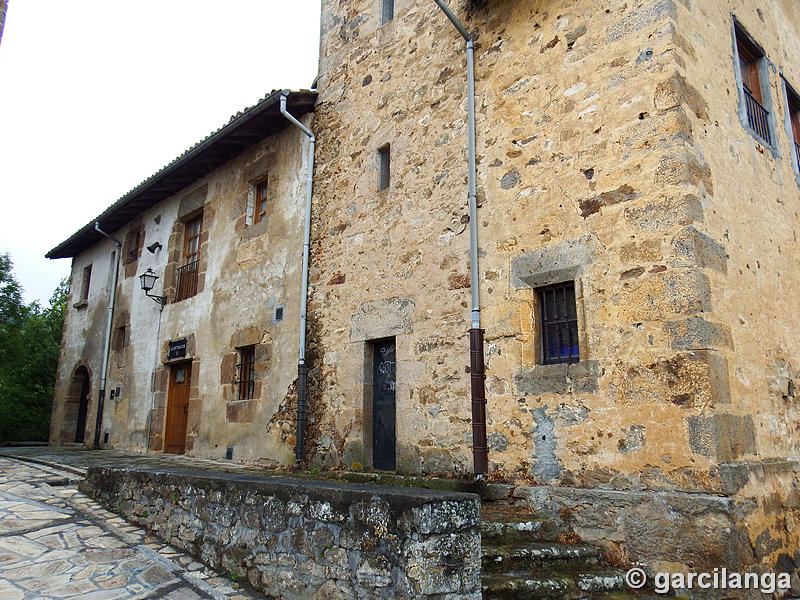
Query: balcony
757	117
187	281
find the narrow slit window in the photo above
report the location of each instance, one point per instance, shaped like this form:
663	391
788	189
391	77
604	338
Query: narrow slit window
559	321
245	373
121	337
384	157
87	278
260	210
387	11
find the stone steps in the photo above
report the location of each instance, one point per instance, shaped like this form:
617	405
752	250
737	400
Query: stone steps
539	555
516	524
597	584
529	555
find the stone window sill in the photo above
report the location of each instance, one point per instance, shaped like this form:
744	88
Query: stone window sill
577	378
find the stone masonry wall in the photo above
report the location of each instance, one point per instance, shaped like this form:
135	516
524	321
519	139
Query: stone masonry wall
753	210
308	539
587	172
611	152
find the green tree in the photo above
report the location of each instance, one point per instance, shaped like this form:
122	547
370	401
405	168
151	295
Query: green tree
30	337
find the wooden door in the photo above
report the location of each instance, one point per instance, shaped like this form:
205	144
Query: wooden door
383	405
180	381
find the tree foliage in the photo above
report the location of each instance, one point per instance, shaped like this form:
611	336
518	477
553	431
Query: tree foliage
30	337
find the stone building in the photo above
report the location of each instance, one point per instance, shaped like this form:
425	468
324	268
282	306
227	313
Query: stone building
222	227
637	209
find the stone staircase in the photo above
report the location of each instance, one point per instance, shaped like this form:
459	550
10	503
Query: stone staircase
526	555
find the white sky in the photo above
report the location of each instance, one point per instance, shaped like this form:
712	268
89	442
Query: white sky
97	95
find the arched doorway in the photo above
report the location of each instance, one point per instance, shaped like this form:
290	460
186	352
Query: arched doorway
76	408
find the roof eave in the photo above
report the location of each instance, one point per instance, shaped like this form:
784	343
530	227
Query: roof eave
301	101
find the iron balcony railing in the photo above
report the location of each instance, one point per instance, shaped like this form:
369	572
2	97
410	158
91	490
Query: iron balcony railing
757	117
187	281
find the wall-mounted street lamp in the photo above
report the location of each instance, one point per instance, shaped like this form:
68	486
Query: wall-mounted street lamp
148	280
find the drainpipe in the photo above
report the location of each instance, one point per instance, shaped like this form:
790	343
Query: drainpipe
302	370
480	450
112	301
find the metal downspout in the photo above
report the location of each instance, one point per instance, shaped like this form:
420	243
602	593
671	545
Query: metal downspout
107	345
480	451
302	370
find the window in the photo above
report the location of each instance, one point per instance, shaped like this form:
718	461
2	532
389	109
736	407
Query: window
120	337
387	11
133	252
793	102
245	373
559	321
260	193
87	278
384	163
755	100
187	274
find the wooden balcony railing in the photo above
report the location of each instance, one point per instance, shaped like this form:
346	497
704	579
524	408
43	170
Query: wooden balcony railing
757	117
187	281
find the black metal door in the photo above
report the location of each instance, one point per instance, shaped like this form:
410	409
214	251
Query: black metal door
383	405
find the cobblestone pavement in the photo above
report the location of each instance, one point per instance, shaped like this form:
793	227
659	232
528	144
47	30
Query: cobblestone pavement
55	543
79	459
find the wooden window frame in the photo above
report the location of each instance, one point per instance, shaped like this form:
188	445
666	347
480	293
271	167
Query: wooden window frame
793	110
245	380
558	313
187	273
260	197
749	57
193	255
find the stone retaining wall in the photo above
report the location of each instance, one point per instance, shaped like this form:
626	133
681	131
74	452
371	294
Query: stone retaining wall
308	539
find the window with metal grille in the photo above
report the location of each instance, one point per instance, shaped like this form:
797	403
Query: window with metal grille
385	162
187	274
260	205
750	59
245	373
559	320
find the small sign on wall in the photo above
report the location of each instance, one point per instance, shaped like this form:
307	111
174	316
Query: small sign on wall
177	349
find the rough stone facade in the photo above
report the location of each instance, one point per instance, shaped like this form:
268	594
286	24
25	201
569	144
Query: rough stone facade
614	152
611	153
295	539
